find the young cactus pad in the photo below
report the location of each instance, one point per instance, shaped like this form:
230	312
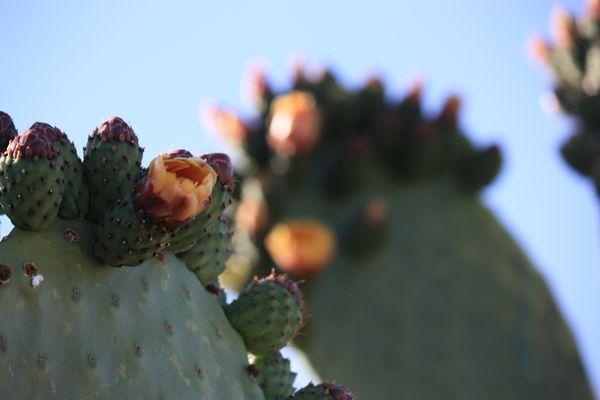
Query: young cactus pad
413	290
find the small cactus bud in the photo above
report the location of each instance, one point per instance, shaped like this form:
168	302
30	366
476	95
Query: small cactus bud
324	391
276	378
268	313
301	247
116	129
294	126
31	144
7	130
221	164
563	28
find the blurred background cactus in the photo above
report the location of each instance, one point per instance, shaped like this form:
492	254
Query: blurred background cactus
573	60
157	65
374	202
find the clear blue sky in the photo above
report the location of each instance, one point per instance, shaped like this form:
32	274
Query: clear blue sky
76	63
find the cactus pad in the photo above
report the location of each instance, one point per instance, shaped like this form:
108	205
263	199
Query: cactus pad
275	377
89	331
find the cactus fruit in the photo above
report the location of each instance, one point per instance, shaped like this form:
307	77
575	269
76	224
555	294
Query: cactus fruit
74	328
275	376
76	198
206	259
7	130
31	180
323	391
112	163
574	63
426	296
268	313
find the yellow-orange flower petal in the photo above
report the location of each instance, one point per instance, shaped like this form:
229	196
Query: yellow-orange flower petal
176	189
294	125
301	247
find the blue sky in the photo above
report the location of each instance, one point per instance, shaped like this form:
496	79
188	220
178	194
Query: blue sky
76	63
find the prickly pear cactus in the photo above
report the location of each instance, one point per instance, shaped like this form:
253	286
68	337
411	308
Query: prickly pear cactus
72	326
574	63
414	289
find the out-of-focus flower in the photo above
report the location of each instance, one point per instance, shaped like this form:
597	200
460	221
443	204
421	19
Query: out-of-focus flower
539	50
252	215
449	114
593	8
294	126
301	247
563	28
228	125
176	188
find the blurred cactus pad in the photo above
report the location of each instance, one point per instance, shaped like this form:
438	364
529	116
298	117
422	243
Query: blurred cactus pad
108	282
413	288
573	60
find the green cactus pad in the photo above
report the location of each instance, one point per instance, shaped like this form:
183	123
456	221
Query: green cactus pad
87	331
76	199
206	259
447	307
275	376
323	391
31	181
427	297
268	313
126	237
112	163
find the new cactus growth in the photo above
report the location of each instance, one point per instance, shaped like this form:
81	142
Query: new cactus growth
574	62
72	327
324	391
414	288
111	160
275	376
7	130
31	180
268	313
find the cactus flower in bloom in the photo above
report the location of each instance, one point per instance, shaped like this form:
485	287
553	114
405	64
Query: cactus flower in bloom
176	189
294	126
301	247
228	125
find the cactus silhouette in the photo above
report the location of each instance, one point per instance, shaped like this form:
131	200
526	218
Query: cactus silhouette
413	288
75	327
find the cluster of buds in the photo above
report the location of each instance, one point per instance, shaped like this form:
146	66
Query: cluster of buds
573	59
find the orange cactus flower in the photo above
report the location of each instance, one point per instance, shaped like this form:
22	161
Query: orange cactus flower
301	247
252	215
228	125
177	188
294	126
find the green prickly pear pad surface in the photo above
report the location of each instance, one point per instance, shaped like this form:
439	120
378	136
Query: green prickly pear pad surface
448	307
88	331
